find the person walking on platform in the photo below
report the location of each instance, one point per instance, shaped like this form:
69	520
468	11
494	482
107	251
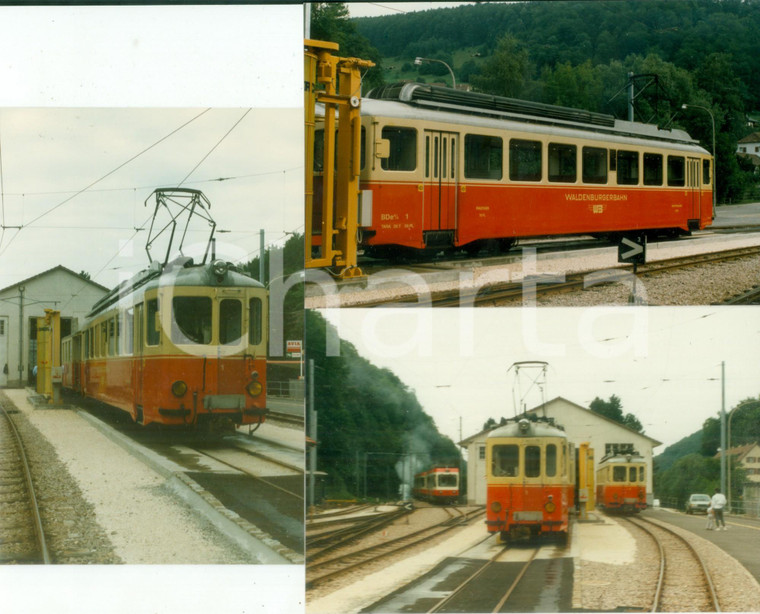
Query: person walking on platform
718	502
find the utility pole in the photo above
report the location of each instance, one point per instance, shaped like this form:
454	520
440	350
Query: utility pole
21	290
723	427
312	434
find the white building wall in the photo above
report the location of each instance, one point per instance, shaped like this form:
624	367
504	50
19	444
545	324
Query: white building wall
581	425
58	289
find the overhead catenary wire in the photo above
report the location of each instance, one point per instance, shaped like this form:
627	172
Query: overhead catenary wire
108	174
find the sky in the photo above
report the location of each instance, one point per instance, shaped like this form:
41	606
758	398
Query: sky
663	363
78	162
373	9
83	90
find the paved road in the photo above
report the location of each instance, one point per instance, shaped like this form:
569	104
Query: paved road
741	540
737	215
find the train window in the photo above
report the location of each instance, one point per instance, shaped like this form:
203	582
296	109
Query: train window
230	321
427	157
129	317
618	474
652	169
153	334
191	319
505	460
87	343
447	479
632	474
403	149
255	321
594	165
532	461
103	349
319	149
676	171
563	162
628	167
705	172
641	474
483	156
112	337
551	460
524	160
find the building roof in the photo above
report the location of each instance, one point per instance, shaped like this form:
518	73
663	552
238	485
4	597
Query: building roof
751	138
740	451
49	271
534	410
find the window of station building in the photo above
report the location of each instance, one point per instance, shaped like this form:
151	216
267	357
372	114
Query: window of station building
551	460
628	167
706	172
483	156
524	160
191	319
532	461
505	460
563	163
255	321
230	321
676	170
652	169
403	149
153	334
594	165
482	452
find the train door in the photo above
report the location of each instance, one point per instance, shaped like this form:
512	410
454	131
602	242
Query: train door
694	185
139	359
4	366
441	167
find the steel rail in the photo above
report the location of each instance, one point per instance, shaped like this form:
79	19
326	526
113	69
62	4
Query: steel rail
516	581
711	593
439	606
38	528
400	543
331	540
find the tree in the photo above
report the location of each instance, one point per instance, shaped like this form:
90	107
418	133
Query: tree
330	22
85	275
506	71
613	409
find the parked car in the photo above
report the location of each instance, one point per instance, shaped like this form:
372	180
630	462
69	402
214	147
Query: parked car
697	503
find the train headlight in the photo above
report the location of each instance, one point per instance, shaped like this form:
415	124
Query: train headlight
219	267
495	507
254	388
179	388
550	506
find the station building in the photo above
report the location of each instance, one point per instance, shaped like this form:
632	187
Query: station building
582	426
22	303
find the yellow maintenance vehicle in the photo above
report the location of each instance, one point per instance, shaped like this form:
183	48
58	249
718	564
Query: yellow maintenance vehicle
332	209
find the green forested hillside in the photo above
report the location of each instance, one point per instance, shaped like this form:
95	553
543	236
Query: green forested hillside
579	54
369	422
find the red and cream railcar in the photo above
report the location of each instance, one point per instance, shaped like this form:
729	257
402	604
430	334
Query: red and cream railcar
448	169
437	485
530	479
621	483
182	345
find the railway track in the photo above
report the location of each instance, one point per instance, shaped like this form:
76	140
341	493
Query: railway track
22	537
469	583
329	569
531	288
319	544
684	582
